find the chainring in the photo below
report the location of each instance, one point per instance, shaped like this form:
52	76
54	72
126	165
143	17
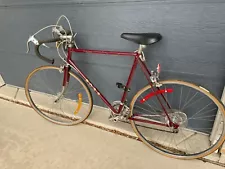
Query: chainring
122	116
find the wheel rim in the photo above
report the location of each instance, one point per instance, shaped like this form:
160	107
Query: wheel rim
193	138
69	105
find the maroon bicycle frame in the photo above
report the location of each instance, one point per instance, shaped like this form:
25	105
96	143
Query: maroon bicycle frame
137	60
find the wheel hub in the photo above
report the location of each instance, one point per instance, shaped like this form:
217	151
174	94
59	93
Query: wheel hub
177	117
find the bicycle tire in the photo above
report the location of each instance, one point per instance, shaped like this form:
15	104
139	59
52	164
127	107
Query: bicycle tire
161	150
43	112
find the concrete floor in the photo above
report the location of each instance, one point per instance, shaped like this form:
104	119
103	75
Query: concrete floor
27	141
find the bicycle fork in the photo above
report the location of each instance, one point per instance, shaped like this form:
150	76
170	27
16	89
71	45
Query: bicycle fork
66	78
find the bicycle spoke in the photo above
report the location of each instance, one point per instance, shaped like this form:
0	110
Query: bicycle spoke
172	95
189	100
171	141
201	119
205	128
186	98
180	96
195	102
72	86
201	110
166	97
159	136
60	106
154	102
185	140
146	110
154	109
74	90
165	141
207	111
45	85
40	86
175	143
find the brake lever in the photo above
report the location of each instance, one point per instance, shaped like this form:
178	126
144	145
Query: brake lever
31	39
35	41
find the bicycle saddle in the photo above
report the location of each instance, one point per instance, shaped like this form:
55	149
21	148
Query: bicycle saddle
142	38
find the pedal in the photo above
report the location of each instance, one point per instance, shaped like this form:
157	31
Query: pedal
122	86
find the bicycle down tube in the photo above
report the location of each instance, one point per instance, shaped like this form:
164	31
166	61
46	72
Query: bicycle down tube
72	63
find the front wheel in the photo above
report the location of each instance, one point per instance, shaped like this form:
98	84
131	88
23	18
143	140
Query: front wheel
191	107
65	105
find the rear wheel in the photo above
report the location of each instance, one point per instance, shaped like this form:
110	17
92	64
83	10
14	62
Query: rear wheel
62	105
192	107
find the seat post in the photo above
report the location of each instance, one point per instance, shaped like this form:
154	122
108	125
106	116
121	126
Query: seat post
140	52
141	47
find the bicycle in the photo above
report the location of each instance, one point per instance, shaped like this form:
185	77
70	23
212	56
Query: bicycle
165	115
